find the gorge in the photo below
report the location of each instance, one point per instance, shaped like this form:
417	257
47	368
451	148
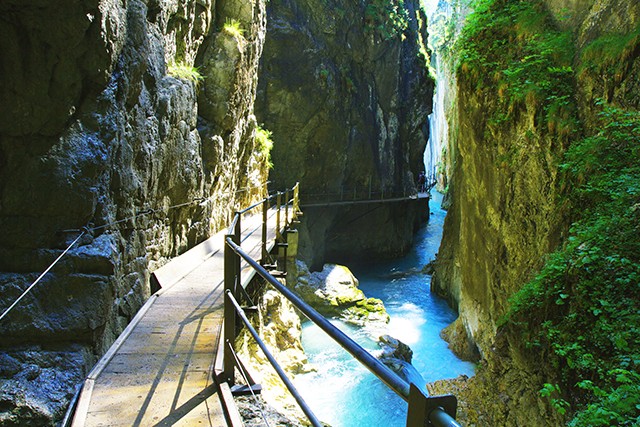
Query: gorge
139	127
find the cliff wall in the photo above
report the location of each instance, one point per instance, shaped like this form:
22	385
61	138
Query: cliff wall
528	90
346	92
106	124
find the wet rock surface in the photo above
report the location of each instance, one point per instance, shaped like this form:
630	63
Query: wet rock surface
391	348
395	354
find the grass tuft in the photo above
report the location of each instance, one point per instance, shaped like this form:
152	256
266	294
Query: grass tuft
182	71
233	28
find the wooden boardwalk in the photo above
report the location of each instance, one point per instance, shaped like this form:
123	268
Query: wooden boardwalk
159	372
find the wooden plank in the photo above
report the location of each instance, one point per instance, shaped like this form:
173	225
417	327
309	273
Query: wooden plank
231	410
170	273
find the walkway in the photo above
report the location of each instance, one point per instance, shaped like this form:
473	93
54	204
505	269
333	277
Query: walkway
346	202
159	371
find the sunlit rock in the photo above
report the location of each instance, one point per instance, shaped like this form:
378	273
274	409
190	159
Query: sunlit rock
334	292
279	327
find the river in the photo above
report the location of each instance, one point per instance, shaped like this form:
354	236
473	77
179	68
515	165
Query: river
343	393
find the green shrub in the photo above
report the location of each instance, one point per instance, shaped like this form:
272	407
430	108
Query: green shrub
264	143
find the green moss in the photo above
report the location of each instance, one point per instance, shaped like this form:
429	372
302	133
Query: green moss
581	311
183	71
264	144
371	305
512	52
610	55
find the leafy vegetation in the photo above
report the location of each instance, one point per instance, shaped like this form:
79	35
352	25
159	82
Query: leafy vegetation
389	18
181	70
233	28
580	315
582	310
264	143
512	49
608	54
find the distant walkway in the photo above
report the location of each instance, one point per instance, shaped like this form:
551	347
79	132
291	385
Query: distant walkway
159	371
375	199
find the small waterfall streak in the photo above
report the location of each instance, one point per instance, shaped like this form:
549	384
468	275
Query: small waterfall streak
438	125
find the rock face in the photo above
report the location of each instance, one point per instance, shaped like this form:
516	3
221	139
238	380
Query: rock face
346	92
279	327
99	130
507	213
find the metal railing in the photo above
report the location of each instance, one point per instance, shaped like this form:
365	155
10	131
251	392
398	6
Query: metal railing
365	192
423	410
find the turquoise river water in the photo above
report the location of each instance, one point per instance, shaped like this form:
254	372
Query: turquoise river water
342	392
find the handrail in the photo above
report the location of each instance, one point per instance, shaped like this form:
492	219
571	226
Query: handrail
423	410
362	193
380	370
281	373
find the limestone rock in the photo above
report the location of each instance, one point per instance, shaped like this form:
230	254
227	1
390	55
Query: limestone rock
348	108
279	326
101	134
334	292
460	342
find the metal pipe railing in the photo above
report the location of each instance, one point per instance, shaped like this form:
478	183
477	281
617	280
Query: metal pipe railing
423	410
385	374
281	373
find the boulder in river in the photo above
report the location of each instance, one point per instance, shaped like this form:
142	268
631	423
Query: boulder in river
391	348
397	356
334	292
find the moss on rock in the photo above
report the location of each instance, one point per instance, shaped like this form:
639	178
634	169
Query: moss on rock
334	292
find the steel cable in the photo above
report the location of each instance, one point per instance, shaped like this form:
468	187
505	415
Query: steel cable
87	229
41	276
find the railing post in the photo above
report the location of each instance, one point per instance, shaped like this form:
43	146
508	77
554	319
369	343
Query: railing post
286	208
237	238
265	209
355	192
230	260
369	187
438	411
296	199
278	204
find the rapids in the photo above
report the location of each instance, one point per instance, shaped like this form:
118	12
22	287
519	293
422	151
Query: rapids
342	392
